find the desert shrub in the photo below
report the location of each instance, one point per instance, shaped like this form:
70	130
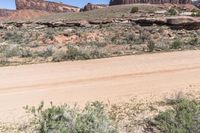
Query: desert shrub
196	14
184	117
176	44
194	10
84	53
64	119
10	51
194	41
151	46
134	9
73	53
25	53
59	56
13	37
144	35
172	12
130	38
50	34
45	53
3	61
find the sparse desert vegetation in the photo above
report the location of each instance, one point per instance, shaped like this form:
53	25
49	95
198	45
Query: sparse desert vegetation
80	36
107	31
179	114
23	46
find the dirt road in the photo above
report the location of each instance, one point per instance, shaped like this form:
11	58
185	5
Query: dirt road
114	79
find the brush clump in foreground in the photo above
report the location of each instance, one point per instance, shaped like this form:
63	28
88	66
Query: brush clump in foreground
172	116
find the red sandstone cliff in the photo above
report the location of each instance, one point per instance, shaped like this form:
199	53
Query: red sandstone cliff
197	3
5	12
119	2
45	6
90	6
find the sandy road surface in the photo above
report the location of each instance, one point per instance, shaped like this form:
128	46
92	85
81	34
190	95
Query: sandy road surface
113	79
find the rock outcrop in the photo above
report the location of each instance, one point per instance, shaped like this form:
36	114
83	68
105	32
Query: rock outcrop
5	12
90	6
178	23
45	6
197	3
189	23
119	2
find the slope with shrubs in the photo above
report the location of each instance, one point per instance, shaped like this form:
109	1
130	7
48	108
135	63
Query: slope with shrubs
178	115
64	119
40	44
184	117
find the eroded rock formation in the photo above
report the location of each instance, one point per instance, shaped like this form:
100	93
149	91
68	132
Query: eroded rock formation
178	23
90	6
119	2
197	3
45	6
5	12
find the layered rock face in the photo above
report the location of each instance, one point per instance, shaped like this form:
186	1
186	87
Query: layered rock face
5	12
119	2
90	6
45	6
197	3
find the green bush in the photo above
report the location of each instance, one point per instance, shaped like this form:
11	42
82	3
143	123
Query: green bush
63	119
144	36
25	53
176	44
11	51
172	12
194	41
184	117
13	37
151	46
45	53
134	9
3	61
196	14
73	53
194	10
84	53
59	56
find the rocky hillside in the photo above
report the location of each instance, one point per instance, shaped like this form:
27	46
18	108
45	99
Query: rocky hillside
119	2
107	32
5	12
45	5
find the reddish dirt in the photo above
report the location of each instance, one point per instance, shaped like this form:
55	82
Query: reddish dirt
26	15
